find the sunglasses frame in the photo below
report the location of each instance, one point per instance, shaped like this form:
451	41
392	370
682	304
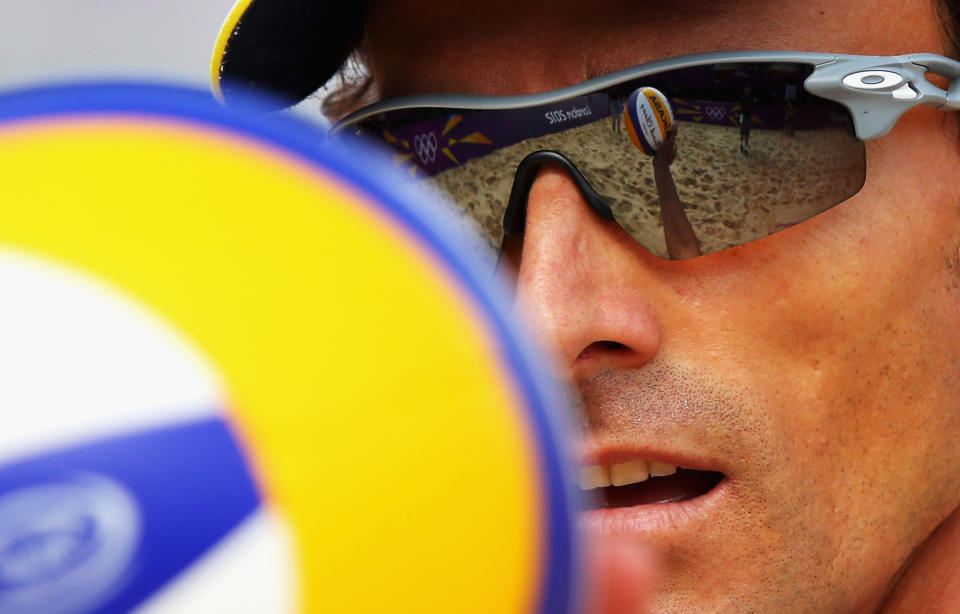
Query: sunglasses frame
850	80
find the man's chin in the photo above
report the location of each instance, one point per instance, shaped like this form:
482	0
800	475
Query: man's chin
682	524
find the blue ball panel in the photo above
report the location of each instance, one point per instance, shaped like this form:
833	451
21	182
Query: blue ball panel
101	526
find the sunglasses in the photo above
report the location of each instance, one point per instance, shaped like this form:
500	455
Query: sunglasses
742	144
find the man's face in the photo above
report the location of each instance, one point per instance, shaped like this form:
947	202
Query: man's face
818	369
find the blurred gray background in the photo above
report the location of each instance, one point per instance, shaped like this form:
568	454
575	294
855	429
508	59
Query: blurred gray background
44	41
171	40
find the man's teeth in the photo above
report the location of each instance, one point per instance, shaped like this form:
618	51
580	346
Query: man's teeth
661	469
622	474
629	473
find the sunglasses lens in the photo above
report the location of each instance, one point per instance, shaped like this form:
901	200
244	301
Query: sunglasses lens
754	153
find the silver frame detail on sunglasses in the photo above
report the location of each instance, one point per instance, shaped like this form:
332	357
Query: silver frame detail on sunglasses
876	90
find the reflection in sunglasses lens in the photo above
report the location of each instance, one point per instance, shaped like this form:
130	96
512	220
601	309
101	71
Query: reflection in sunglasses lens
755	153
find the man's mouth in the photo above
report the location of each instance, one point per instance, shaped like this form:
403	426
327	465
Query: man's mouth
642	482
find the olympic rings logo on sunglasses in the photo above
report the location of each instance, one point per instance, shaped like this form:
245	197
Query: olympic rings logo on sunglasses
761	142
426	147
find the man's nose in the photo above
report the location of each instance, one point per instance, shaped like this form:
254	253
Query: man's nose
582	282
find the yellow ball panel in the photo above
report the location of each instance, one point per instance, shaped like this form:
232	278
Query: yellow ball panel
380	415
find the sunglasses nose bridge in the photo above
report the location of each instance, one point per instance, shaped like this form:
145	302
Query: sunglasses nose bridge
515	216
566	267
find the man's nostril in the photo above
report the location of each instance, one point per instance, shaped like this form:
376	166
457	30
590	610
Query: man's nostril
598	347
610	345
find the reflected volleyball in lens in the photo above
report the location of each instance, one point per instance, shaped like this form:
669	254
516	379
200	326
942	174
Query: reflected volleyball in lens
648	119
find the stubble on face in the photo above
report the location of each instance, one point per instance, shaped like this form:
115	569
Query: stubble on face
766	548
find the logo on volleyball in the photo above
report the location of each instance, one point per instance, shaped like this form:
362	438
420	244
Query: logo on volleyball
649	121
65	545
425	145
661	110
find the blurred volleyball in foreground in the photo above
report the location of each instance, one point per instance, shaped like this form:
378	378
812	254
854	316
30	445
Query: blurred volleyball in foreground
648	119
248	374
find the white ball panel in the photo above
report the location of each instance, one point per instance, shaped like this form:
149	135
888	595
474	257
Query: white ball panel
79	360
251	571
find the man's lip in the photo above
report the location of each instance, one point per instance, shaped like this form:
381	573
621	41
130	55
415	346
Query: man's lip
653	519
609	455
657	519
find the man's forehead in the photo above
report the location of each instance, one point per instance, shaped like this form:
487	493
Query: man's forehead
504	47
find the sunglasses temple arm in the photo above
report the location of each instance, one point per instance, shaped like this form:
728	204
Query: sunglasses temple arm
875	108
515	217
945	67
